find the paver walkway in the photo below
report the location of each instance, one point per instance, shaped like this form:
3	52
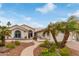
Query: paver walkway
29	50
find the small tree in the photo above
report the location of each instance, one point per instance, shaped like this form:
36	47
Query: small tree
8	24
4	31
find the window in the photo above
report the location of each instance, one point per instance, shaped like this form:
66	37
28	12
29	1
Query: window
17	34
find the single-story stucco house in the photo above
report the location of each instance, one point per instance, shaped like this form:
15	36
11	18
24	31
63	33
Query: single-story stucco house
26	32
22	32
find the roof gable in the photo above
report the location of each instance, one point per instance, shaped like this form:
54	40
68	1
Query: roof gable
22	27
17	27
27	27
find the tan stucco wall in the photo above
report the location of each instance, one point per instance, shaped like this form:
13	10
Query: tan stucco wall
24	32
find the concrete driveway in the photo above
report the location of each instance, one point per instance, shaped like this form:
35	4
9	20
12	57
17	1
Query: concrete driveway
73	47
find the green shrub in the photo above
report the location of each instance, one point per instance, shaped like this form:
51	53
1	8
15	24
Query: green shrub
10	45
51	49
46	44
17	43
64	51
0	42
35	38
45	52
52	52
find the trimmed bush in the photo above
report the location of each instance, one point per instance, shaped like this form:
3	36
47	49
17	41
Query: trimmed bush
46	44
17	43
64	52
35	38
0	42
10	45
45	52
52	49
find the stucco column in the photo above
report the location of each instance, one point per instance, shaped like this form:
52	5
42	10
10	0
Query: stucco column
26	34
33	33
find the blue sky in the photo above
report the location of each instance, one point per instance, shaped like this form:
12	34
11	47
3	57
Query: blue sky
36	14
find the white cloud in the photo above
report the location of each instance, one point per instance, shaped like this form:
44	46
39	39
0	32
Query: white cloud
32	24
36	24
59	20
63	19
4	20
76	13
27	18
19	19
54	21
23	17
46	8
2	12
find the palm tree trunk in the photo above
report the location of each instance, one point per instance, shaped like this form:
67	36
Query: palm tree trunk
77	36
64	41
3	40
55	39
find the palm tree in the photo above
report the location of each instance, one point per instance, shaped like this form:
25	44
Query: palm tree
4	31
69	26
51	29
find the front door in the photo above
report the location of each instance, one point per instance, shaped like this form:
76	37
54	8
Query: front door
30	34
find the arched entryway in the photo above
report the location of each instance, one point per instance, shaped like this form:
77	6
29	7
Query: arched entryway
17	34
30	34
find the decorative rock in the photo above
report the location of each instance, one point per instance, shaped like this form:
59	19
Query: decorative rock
4	49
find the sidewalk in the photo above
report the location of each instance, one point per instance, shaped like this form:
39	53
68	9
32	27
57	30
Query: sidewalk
29	51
